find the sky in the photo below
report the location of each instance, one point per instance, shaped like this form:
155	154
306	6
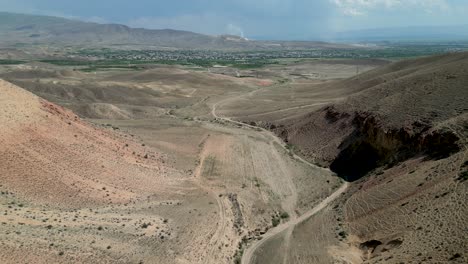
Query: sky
256	19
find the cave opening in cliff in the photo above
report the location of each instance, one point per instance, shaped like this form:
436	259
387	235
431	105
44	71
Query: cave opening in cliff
355	161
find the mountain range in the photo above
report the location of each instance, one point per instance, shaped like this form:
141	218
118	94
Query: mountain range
34	29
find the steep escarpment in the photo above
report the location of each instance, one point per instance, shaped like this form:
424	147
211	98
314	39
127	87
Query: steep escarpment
371	145
402	140
400	111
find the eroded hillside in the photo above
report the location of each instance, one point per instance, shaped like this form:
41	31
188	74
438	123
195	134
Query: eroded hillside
397	112
402	139
167	172
162	190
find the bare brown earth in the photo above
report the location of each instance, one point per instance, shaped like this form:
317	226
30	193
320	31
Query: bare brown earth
419	102
155	178
30	148
401	138
216	180
65	181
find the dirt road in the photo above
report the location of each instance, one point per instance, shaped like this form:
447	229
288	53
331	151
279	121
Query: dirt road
248	255
268	132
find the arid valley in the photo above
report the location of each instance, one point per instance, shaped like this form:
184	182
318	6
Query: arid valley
296	160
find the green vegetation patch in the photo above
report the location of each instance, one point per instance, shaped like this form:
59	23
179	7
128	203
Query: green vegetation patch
11	62
284	215
275	221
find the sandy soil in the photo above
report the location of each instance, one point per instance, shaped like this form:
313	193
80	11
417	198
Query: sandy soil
248	256
406	205
109	186
162	170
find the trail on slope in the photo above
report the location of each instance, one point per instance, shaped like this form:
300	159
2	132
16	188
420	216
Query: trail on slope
288	109
289	204
223	221
294	220
249	253
268	132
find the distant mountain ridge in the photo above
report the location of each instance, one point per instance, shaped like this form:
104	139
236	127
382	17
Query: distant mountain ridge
21	28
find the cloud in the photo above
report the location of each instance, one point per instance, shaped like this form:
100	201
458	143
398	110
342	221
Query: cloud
362	7
257	19
352	12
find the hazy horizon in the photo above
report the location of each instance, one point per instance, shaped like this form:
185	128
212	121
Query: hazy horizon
262	19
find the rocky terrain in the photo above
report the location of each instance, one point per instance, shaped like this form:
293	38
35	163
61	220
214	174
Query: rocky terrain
175	164
63	180
153	177
401	138
394	113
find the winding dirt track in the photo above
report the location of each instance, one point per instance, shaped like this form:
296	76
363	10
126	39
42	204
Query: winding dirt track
270	134
289	109
249	253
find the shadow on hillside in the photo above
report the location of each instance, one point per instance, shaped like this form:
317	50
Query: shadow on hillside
361	154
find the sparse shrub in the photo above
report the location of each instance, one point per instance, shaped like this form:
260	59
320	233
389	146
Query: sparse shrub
463	176
455	256
284	215
275	221
343	234
257	183
239	252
